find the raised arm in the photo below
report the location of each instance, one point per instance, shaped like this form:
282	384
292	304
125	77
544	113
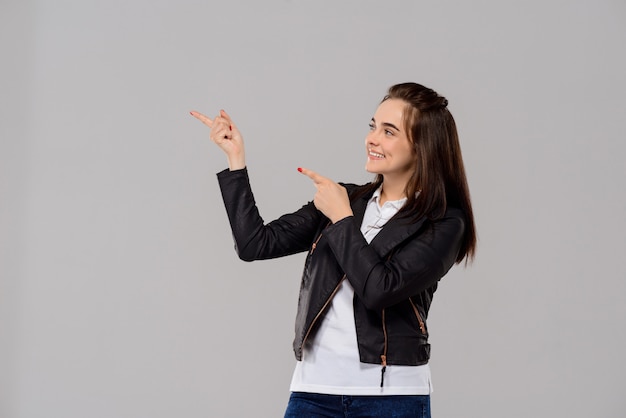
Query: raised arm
254	239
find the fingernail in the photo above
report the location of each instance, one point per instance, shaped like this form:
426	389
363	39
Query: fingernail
300	169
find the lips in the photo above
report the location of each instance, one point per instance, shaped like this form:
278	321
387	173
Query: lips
375	154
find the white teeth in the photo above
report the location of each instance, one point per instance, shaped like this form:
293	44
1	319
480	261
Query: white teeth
375	154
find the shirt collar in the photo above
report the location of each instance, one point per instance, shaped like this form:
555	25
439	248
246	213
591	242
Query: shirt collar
397	204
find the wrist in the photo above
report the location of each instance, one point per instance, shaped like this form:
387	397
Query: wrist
236	162
341	217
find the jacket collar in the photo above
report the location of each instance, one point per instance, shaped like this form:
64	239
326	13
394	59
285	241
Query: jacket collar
393	233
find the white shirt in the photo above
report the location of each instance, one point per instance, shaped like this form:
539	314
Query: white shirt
330	363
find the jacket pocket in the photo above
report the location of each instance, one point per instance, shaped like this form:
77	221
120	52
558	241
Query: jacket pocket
420	321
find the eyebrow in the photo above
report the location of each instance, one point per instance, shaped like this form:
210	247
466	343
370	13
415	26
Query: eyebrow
387	124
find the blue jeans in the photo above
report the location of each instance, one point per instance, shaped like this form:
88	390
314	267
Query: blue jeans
308	405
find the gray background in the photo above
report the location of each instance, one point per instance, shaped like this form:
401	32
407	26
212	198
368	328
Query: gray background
120	293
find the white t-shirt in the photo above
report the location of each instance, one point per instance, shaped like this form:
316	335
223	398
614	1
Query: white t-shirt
330	362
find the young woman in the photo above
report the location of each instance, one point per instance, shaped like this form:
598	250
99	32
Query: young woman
375	255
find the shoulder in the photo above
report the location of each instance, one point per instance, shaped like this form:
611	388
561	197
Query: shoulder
357	189
451	223
454	213
352	186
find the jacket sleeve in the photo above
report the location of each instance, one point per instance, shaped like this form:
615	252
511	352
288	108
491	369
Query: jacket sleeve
414	265
255	240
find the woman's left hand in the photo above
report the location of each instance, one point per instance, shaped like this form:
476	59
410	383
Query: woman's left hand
331	198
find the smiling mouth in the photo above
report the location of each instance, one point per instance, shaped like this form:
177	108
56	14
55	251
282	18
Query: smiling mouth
375	154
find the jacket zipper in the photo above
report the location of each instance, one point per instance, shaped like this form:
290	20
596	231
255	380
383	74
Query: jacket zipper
419	317
308	331
383	357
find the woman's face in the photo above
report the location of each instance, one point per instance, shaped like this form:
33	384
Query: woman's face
389	151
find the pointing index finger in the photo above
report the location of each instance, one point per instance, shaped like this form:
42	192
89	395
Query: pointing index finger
202	118
312	175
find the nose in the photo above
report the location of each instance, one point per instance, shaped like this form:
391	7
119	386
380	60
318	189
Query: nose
372	138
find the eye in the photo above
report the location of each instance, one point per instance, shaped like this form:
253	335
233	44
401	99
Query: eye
388	132
372	126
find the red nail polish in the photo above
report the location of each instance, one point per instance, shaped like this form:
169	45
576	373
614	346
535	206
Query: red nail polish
300	169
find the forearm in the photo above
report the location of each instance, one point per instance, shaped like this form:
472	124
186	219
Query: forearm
255	240
384	279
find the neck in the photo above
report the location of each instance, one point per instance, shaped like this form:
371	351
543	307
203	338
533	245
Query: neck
392	190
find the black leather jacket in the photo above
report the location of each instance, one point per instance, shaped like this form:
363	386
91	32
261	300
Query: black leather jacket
394	277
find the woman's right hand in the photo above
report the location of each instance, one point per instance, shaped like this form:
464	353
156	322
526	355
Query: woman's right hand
226	135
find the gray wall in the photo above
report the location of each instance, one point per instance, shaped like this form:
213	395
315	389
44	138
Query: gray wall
120	293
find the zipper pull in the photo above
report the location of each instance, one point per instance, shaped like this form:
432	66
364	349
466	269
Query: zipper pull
383	370
314	245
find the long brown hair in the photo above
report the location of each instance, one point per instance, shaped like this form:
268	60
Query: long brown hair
439	174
